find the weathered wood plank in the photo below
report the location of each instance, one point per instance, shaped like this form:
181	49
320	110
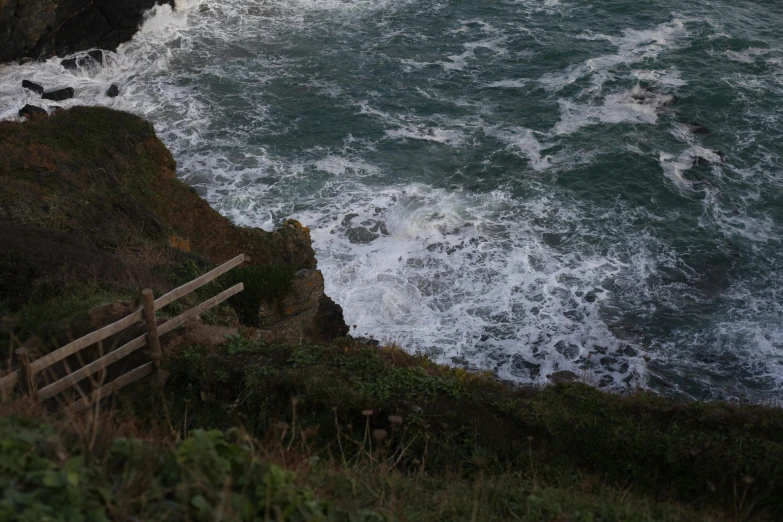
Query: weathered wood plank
83	342
197	283
56	387
26	376
113	386
152	326
196	310
10	380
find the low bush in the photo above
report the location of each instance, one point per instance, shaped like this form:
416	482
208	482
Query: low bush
268	283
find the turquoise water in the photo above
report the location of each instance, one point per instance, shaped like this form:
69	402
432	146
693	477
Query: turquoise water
524	187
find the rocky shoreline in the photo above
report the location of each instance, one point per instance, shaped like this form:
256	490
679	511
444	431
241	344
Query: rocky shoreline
40	29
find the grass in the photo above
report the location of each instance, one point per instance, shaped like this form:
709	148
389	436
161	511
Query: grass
51	307
365	433
210	475
571	446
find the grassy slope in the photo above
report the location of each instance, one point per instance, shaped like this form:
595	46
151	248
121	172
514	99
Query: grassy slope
369	433
462	431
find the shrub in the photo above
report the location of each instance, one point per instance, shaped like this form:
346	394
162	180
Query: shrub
262	283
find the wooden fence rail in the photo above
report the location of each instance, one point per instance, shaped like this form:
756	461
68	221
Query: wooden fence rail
25	375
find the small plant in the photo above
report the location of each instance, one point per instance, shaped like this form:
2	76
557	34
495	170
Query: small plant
238	344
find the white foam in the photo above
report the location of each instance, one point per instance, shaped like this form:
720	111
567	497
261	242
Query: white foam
509	84
525	142
339	166
669	77
675	167
747	56
634	106
457	272
633	47
460	61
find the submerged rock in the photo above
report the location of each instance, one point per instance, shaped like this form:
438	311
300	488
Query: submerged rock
361	235
59	94
113	91
30	86
84	60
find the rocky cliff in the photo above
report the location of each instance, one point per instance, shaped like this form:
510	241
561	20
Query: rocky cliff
42	28
89	197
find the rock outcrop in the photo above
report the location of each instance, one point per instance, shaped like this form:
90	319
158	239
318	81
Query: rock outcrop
43	28
305	312
90	196
32	111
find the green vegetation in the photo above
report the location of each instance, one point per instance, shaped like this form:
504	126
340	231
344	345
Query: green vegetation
268	282
51	307
90	196
260	431
211	475
568	445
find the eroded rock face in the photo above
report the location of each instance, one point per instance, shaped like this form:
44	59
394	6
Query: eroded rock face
43	28
290	317
305	313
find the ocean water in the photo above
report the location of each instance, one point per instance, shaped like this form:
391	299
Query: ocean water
520	186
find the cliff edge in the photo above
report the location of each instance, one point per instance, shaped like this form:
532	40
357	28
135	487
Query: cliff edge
89	198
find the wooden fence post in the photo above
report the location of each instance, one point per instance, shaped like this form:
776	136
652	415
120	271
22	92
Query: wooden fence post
152	326
26	378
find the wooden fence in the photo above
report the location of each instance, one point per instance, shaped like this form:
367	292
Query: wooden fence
26	374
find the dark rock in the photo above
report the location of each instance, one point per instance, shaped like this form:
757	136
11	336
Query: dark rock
563	376
361	235
30	86
569	351
289	317
630	352
43	28
113	91
520	367
96	55
31	111
328	323
348	217
368	341
59	94
84	60
698	128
